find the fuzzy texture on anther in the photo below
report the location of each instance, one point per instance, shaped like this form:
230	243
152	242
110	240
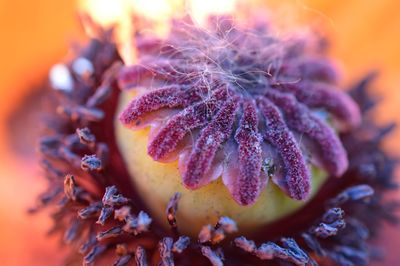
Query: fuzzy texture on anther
226	87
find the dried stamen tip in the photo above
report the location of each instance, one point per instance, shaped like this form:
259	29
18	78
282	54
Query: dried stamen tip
245	97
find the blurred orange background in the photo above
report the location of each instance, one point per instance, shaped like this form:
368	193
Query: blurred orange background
365	35
34	35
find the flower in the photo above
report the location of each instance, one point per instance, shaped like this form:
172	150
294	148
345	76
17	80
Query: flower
367	154
86	158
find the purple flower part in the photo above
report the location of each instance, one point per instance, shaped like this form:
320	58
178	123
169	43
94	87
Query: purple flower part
110	233
85	136
105	213
299	118
165	248
245	244
91	163
181	244
172	208
171	96
215	257
169	70
313	69
178	126
323	95
90	211
140	256
123	260
211	137
72	232
164	97
248	185
227	225
95	252
298	177
112	197
149	44
193	72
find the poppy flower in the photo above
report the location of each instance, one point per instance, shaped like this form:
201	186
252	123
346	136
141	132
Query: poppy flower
270	103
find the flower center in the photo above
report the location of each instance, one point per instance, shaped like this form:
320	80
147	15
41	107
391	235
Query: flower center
236	105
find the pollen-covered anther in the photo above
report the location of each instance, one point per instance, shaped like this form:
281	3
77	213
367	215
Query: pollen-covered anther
247	186
228	99
297	179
